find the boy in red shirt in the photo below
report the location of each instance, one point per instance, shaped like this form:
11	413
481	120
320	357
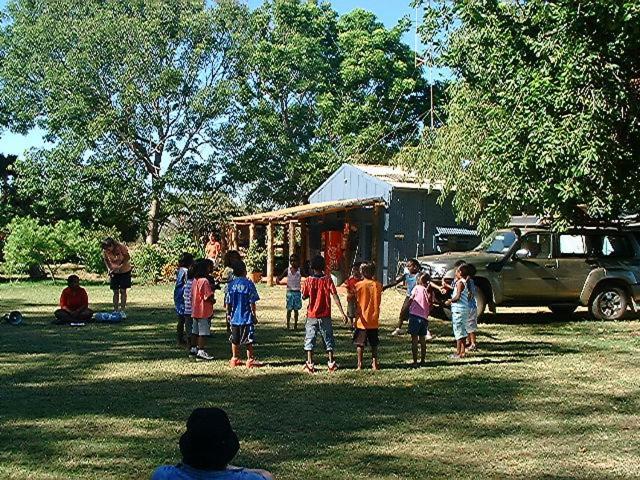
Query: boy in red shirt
74	303
320	289
350	284
369	297
202	300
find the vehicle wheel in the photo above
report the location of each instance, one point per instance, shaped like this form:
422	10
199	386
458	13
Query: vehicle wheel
609	303
562	309
441	313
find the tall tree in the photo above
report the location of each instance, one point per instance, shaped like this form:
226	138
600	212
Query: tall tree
148	79
544	114
316	90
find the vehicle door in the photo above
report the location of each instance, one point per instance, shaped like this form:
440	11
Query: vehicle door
576	258
530	275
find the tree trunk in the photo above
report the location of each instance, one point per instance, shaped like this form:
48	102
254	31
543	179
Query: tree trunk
153	225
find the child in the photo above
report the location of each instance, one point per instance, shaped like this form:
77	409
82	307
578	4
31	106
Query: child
202	300
320	289
294	296
229	259
74	304
459	303
419	317
185	261
241	309
188	310
472	326
410	278
352	281
369	297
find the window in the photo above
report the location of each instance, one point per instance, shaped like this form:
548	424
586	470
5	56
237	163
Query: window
538	245
609	246
572	245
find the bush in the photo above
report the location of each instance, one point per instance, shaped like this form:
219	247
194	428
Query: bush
256	258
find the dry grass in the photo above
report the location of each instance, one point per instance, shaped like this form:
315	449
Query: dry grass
543	398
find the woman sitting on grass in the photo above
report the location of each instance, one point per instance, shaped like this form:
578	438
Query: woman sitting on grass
74	304
207	447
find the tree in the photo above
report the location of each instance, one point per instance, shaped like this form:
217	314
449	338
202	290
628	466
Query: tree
147	79
316	90
59	184
543	115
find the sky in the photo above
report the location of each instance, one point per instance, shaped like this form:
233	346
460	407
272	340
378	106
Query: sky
388	11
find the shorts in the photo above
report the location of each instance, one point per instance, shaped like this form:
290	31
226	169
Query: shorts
418	326
352	308
201	327
294	300
362	337
472	324
311	329
242	334
459	319
120	281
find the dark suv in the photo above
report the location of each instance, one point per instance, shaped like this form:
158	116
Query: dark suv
597	267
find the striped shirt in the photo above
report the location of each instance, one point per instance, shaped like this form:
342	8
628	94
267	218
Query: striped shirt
187	297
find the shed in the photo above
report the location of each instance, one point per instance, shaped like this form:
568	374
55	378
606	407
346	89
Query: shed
378	212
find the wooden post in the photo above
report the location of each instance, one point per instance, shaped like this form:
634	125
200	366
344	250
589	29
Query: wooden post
292	238
304	241
252	232
375	241
270	254
234	237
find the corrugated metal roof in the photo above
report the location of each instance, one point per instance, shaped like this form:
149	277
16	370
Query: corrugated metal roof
398	177
463	232
309	210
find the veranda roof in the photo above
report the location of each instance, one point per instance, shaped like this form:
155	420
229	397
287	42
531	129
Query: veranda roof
309	210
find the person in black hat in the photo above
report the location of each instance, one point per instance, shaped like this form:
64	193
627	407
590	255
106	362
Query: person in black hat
207	448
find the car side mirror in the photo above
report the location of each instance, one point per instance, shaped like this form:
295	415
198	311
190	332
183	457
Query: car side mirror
522	254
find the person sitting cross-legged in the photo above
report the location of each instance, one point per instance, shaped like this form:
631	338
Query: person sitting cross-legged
74	303
207	448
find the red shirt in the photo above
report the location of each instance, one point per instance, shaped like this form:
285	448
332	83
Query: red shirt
318	290
201	292
74	298
351	287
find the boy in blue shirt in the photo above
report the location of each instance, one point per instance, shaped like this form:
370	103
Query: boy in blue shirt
241	312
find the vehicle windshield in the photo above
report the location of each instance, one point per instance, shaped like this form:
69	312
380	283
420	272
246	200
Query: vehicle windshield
497	242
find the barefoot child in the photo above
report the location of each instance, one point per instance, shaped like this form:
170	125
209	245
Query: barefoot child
294	296
202	300
241	308
409	277
369	297
419	317
320	289
185	261
460	306
472	326
350	284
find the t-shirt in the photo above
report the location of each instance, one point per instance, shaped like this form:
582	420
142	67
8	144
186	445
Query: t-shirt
201	289
213	249
351	287
178	290
410	280
74	298
184	472
318	289
294	279
420	302
369	297
241	294
188	308
473	304
119	255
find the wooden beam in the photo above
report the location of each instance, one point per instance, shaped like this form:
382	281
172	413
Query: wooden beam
292	238
304	240
270	255
252	232
234	238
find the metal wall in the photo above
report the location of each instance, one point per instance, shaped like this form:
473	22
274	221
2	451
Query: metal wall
350	182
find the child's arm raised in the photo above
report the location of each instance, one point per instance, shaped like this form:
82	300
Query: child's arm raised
457	292
396	282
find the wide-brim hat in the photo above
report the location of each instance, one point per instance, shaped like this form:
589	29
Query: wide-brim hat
209	442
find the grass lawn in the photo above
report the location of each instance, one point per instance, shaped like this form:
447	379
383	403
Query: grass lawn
543	398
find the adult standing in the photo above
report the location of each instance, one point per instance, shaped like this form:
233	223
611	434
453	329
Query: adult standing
118	261
213	249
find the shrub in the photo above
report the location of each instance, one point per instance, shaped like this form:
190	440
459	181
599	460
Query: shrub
256	257
149	262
